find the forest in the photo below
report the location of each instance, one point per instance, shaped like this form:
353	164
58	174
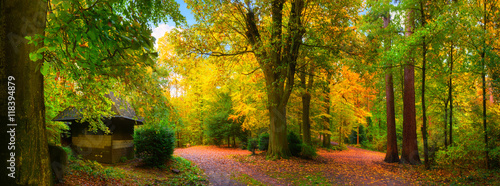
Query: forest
251	92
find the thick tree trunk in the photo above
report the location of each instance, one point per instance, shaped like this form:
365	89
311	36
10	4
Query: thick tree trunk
391	154
410	145
278	144
32	167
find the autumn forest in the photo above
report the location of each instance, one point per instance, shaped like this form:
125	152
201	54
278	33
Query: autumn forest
251	92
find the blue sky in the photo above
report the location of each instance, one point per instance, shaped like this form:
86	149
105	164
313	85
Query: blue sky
160	30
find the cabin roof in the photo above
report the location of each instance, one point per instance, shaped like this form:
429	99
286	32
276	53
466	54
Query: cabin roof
121	108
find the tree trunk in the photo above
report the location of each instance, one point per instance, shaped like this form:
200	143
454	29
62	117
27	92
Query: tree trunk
306	106
483	76
357	136
29	141
340	133
306	122
278	62
410	145
450	96
326	138
278	144
391	154
446	123
424	114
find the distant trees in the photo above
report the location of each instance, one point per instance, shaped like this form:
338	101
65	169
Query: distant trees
220	126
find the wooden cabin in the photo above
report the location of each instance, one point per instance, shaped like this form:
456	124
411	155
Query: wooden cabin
101	147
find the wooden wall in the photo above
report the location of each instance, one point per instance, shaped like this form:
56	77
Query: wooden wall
104	148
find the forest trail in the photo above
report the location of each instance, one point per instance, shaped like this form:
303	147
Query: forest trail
364	167
354	166
219	166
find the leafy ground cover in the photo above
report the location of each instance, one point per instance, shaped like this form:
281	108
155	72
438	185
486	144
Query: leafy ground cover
133	172
204	165
353	166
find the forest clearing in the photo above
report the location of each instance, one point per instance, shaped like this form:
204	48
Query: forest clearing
250	92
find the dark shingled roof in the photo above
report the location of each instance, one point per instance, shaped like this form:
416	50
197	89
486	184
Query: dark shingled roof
120	107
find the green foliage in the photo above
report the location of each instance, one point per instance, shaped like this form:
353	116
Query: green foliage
95	169
219	125
93	47
155	144
308	151
263	141
123	159
252	145
190	174
69	152
353	138
294	144
340	147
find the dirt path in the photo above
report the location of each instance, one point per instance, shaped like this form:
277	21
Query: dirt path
358	166
219	166
354	166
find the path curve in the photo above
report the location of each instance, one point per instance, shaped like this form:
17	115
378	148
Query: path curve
219	166
354	166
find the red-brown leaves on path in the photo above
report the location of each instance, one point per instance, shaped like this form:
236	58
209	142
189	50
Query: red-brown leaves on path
350	167
218	164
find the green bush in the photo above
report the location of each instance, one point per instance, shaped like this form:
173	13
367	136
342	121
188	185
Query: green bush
95	169
308	151
154	144
340	147
294	144
252	145
263	141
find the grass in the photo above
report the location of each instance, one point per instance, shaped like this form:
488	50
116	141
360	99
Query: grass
246	179
133	172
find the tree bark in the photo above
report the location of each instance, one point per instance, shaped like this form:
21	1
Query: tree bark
306	105
391	154
424	114
278	62
446	123
326	138
19	19
278	144
483	76
450	89
410	145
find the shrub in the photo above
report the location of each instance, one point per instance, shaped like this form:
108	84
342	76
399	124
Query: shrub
263	141
252	145
308	151
294	144
95	169
340	147
154	144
